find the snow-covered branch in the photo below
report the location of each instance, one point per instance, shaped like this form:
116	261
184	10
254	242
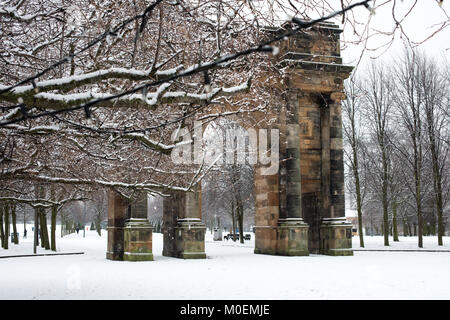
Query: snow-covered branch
36	177
13	13
42	203
55	101
67	84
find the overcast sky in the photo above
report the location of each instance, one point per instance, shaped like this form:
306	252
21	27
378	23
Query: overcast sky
425	18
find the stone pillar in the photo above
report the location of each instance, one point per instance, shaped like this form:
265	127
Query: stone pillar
267	202
117	213
337	192
172	206
316	71
138	232
310	166
184	232
292	230
335	231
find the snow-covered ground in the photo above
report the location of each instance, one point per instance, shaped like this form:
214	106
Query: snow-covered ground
231	271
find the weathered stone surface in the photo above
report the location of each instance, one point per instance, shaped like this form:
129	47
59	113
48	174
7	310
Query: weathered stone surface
190	240
265	240
184	233
336	237
117	212
292	238
138	234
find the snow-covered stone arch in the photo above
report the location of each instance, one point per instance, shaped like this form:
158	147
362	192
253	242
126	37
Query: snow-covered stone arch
300	208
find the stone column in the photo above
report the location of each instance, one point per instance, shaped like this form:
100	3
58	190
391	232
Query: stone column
269	192
335	231
117	212
184	232
138	232
190	231
171	209
267	203
292	230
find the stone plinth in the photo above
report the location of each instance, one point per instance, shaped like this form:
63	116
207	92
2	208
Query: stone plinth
292	237
336	237
265	240
138	235
288	238
184	232
190	239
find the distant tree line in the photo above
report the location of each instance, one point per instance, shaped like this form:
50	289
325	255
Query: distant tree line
396	129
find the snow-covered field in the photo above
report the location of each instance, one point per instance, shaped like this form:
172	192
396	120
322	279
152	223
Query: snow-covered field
231	271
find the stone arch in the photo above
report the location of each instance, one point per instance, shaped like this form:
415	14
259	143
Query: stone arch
301	208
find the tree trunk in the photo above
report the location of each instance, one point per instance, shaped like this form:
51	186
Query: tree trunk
53	228
233	218
24	223
417	178
371	225
99	228
13	218
385	198
437	171
41	227
358	200
36	228
2	232
6	210
241	223
44	231
394	220
437	184
62	224
419	216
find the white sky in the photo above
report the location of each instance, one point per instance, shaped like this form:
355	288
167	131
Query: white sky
425	18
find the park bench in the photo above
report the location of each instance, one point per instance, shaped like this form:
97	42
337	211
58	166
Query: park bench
235	237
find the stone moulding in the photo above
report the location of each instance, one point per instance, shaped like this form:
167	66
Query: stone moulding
315	65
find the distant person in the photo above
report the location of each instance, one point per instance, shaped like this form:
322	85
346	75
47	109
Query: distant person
78	229
25	233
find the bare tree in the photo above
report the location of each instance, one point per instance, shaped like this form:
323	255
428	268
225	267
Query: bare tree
351	108
378	96
434	90
408	100
92	90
